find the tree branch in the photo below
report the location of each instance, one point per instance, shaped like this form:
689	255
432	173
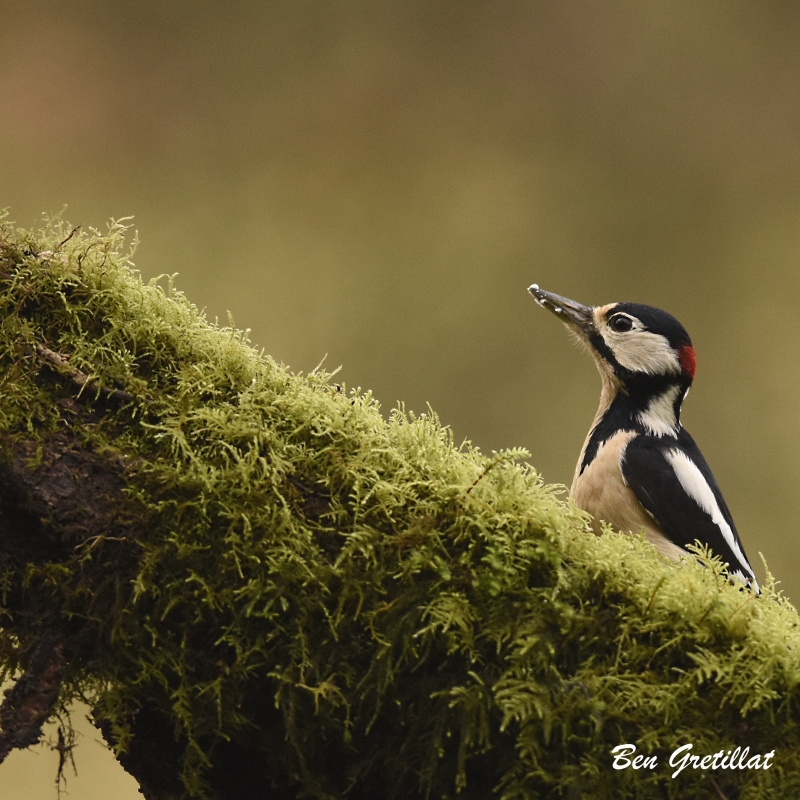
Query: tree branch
266	588
32	700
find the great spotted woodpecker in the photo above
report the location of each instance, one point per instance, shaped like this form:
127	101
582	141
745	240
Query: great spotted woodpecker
639	469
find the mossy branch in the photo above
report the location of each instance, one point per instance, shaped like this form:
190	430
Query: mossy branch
267	589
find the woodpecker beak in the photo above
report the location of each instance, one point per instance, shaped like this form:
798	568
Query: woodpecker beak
573	314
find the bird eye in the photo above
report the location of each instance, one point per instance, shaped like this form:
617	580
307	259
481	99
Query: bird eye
620	323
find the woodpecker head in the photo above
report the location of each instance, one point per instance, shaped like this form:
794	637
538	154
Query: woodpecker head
639	350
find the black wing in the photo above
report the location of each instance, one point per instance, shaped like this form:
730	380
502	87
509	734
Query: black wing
671	479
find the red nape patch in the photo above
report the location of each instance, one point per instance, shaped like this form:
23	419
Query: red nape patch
687	359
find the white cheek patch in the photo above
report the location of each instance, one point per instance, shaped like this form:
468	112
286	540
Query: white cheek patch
695	485
642	351
659	416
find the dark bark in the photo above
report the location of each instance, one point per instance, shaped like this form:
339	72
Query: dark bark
58	497
30	702
153	757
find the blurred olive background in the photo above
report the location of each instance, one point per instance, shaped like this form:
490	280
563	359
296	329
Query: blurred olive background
380	181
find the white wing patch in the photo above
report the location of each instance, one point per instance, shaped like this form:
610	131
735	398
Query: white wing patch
698	489
659	416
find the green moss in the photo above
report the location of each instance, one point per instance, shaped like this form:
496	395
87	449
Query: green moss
355	598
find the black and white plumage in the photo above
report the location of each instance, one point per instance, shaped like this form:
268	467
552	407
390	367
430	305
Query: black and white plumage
639	469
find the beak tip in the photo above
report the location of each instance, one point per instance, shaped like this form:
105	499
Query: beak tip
534	292
543	300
